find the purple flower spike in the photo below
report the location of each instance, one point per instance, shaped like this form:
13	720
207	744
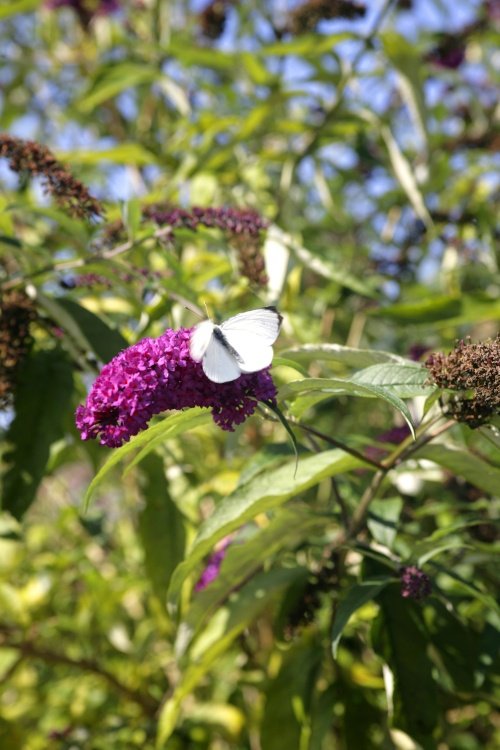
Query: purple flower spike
213	565
157	375
415	584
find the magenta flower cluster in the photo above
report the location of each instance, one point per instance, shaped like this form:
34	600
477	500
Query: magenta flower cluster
157	375
415	584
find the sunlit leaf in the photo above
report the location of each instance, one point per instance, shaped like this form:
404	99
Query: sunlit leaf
256	597
329	387
147	441
404	380
263	493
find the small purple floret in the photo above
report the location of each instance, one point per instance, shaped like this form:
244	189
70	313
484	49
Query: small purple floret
415	584
157	375
212	568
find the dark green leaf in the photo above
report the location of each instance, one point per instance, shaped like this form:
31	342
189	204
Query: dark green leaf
398	637
286	717
358	595
106	342
41	403
456	645
161	526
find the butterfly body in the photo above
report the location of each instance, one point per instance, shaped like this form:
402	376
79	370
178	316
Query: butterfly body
242	344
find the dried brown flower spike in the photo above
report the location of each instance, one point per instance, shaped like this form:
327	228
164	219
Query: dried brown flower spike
473	371
36	160
16	314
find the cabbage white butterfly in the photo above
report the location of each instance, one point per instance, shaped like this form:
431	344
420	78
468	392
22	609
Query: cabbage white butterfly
241	344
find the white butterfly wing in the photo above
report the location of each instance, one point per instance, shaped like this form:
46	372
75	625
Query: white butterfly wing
253	355
219	365
263	324
251	335
200	339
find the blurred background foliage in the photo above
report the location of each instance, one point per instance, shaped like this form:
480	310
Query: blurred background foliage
338	159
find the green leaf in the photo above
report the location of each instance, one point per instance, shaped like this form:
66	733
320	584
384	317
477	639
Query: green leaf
42	400
346	387
474	469
307	44
424	311
147	441
243	559
338	353
257	71
405	175
327	269
13	7
487	600
161	527
131	217
285	362
186	52
321	266
258	596
432	545
401	167
12	733
263	493
407	60
104	341
357	596
286	719
11	241
404	380
398	637
457	646
112	79
268	457
383	518
58	313
122	153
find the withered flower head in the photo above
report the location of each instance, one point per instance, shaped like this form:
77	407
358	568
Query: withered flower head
243	227
86	10
473	372
16	314
35	160
305	17
213	18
